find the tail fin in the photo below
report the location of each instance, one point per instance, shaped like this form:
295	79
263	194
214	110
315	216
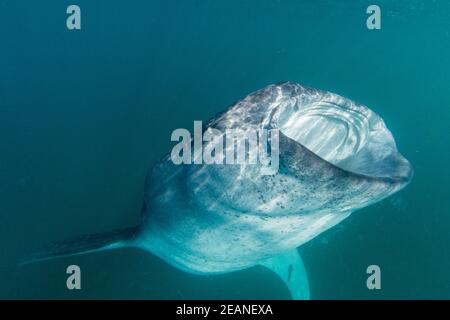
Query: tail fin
84	244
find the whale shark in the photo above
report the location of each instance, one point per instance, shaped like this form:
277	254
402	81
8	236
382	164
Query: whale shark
335	157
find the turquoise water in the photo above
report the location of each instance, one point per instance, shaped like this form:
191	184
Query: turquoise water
84	114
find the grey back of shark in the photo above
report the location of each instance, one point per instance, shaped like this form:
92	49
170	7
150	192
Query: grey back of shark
335	157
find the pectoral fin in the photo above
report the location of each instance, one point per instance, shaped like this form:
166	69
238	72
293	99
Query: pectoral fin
289	267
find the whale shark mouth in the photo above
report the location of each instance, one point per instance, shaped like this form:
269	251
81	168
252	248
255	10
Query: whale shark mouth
343	133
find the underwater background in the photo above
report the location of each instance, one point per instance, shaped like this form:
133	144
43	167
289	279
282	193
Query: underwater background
84	114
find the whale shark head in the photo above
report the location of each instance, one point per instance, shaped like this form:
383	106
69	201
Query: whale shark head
334	154
335	157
